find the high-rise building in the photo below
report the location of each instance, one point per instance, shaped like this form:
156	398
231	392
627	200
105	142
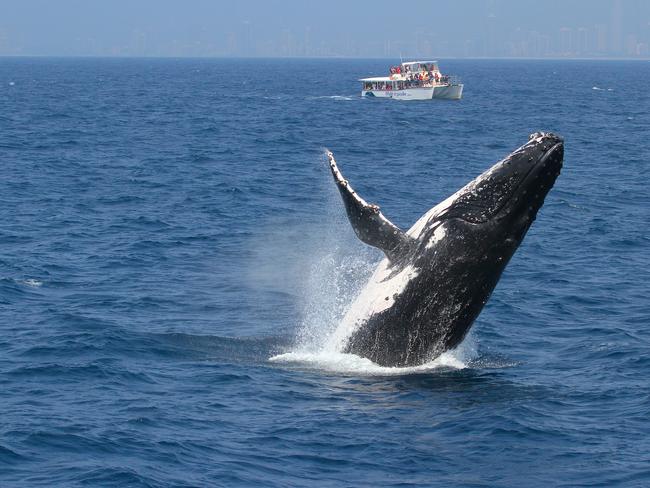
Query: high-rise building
581	42
247	48
491	24
616	35
566	41
601	39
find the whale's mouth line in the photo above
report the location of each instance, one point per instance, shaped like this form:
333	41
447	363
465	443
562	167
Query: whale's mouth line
523	180
550	151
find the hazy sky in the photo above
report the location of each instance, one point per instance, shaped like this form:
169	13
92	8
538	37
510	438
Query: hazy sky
325	27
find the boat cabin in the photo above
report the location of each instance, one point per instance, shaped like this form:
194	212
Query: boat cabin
417	67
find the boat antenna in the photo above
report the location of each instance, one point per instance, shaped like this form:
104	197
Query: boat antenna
400	58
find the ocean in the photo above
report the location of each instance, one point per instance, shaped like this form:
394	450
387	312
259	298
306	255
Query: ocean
174	255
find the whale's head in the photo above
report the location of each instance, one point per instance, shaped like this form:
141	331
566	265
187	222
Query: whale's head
500	205
532	171
512	191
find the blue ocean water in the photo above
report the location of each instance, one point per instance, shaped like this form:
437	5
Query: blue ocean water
173	255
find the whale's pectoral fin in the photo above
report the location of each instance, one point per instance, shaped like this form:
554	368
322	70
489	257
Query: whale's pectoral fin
368	222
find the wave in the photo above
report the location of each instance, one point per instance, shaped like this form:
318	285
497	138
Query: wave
334	97
9	456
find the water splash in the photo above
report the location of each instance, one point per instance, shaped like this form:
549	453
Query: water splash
334	280
334	283
338	268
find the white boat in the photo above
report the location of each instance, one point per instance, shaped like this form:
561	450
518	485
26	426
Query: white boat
415	80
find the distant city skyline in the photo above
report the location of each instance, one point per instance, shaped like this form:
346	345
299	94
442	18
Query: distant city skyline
200	28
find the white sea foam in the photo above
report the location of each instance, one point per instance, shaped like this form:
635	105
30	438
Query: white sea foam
334	97
31	282
338	362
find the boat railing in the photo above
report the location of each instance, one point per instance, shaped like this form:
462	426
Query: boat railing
443	80
403	84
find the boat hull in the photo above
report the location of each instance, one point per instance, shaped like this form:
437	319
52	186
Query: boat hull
446	92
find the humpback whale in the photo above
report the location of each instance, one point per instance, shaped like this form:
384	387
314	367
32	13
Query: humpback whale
436	277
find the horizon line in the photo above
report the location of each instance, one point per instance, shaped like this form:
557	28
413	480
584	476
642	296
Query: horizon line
340	57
